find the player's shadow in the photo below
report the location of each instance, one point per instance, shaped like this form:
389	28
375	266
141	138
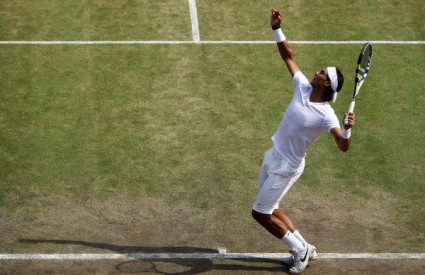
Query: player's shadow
179	265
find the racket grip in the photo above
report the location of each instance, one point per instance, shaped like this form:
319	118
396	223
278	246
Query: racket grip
350	109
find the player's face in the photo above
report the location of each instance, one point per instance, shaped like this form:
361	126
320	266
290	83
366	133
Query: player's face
321	78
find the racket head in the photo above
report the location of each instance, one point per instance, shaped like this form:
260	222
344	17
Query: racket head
363	65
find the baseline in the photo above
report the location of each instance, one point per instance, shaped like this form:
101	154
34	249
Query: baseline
160	256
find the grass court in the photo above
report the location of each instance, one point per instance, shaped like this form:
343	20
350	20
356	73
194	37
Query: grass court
156	147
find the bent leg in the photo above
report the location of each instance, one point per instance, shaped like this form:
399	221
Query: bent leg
284	218
271	223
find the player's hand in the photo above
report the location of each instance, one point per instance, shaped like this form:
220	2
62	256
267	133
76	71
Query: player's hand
351	120
276	18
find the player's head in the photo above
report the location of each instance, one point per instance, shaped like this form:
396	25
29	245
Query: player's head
335	81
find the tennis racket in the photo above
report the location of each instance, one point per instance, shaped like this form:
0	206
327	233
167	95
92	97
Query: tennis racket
363	66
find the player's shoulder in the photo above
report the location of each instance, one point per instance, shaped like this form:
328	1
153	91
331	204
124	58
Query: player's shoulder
298	74
299	77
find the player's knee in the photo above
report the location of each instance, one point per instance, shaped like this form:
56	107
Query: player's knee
254	214
259	217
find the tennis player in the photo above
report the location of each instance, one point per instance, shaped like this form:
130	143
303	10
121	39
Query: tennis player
308	115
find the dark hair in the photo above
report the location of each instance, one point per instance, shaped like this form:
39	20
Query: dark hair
329	91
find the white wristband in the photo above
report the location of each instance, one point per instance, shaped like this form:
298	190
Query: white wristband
279	36
346	134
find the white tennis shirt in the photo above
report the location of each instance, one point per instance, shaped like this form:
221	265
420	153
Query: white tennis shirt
303	122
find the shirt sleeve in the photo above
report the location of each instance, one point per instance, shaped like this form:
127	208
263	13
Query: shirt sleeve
299	80
331	122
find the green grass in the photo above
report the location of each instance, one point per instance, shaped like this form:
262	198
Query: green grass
191	122
313	20
95	20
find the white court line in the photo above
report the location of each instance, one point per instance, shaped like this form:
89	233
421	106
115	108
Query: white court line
165	42
125	42
159	256
194	19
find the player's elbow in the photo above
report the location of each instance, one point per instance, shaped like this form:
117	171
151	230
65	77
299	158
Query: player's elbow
344	149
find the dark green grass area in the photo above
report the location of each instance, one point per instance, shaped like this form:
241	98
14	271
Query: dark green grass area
90	120
93	121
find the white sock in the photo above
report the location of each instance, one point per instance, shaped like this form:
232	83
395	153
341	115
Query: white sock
293	242
299	237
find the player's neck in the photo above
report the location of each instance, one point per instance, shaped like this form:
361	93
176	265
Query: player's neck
317	96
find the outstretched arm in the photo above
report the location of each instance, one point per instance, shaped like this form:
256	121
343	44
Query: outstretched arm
285	49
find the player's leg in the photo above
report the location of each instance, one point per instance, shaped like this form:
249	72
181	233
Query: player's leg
271	223
289	224
284	218
265	167
280	177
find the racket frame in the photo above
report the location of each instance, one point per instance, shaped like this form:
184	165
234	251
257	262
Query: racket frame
361	74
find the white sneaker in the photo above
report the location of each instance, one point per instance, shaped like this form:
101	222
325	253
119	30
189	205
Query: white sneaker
301	259
289	261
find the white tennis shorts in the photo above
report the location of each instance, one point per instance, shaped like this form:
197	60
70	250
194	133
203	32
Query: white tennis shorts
276	177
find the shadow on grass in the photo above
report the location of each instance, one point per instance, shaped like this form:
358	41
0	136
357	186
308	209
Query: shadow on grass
176	265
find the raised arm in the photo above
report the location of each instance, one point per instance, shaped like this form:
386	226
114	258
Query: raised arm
285	49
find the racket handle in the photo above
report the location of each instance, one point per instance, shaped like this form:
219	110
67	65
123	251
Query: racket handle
350	109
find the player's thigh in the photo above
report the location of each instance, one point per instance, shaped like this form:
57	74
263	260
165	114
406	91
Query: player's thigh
271	193
265	166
